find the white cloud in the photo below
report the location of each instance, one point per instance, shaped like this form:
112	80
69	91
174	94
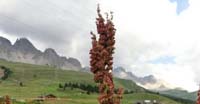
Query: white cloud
11	38
55	24
149	29
146	30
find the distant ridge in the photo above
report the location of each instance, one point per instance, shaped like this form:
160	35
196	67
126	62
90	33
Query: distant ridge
24	51
149	82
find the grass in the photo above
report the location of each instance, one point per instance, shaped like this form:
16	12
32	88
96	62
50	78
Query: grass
40	80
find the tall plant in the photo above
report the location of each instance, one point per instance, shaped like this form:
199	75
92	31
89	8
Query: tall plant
7	100
102	60
198	97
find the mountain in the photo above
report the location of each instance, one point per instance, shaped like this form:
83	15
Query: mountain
44	73
4	42
148	82
5	47
24	51
121	72
181	94
24	46
43	80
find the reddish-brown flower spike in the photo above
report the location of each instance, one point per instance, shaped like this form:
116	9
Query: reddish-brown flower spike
198	97
7	99
101	60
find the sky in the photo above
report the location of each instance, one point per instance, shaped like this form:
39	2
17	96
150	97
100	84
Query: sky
158	37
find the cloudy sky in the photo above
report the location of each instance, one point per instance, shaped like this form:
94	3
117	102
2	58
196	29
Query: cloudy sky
159	37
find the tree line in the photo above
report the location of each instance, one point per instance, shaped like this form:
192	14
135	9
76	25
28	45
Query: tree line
86	87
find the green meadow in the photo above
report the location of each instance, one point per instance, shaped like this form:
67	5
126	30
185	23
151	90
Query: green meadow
27	82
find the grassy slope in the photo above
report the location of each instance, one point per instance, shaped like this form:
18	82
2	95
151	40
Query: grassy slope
40	80
181	93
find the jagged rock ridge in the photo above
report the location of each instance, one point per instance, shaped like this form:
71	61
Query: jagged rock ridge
24	51
148	82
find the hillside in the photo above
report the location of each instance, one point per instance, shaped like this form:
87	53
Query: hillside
40	80
181	94
23	50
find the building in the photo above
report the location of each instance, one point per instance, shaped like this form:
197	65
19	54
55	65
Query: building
147	102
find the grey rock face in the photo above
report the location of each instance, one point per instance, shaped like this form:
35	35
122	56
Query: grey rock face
4	42
24	46
5	48
148	82
74	62
148	79
24	51
120	72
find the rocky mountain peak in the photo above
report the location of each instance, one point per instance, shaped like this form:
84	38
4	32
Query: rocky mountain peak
119	69
150	78
50	51
24	45
24	51
74	62
149	82
4	42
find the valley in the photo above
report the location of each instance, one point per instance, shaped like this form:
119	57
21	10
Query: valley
38	80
